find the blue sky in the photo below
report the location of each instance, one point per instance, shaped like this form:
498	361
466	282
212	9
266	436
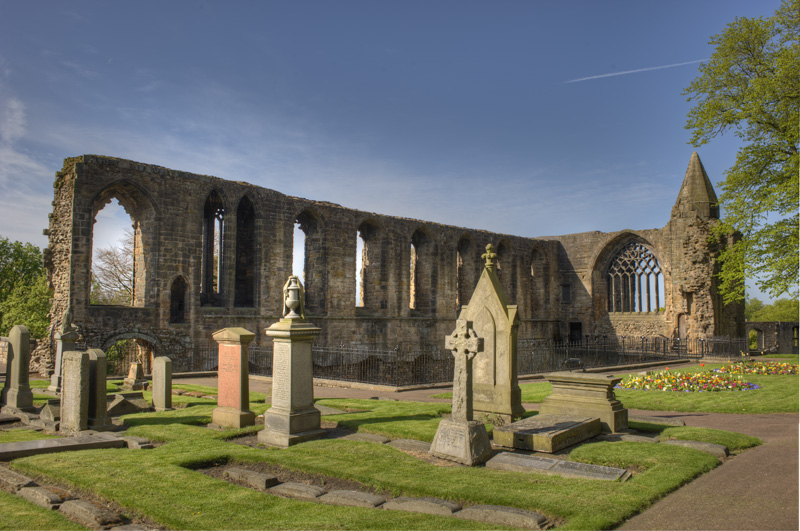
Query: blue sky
529	118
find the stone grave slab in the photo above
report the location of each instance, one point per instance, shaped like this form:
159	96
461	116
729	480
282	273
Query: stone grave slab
551	466
717	450
299	491
586	395
588	471
658	420
521	463
252	478
9	451
352	498
89	514
13	481
422	505
410	445
508	516
51	410
6	418
546	433
41	496
126	404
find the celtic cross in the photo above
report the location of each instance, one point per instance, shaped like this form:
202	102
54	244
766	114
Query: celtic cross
464	343
489	256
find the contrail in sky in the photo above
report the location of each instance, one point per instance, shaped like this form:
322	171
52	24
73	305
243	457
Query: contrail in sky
633	71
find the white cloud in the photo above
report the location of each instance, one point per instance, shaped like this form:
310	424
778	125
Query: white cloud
12	121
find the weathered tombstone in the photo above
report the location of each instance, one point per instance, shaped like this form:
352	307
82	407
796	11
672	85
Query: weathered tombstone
65	340
460	438
495	386
292	417
233	394
16	394
162	383
74	392
586	395
98	413
135	380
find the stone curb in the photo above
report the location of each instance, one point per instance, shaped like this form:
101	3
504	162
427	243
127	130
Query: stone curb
257	480
13	481
496	514
299	491
352	498
89	513
422	505
41	496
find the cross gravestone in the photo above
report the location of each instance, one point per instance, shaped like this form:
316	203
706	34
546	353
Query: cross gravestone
495	381
65	340
292	417
16	394
98	419
460	438
233	393
74	392
162	383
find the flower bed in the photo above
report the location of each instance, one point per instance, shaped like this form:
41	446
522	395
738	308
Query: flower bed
699	382
759	367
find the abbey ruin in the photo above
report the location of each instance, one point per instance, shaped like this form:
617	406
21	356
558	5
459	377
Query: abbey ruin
211	253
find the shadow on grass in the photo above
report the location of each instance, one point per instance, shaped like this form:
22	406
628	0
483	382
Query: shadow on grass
139	420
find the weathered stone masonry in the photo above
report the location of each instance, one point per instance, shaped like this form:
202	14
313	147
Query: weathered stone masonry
561	284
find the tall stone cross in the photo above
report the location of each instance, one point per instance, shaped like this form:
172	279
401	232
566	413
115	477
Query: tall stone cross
464	344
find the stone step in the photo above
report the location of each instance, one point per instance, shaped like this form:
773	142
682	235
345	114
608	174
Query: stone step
545	465
9	451
546	433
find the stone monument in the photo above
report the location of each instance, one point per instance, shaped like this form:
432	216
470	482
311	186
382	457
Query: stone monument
65	340
162	383
495	386
233	393
74	392
135	381
460	438
98	419
586	395
292	418
16	394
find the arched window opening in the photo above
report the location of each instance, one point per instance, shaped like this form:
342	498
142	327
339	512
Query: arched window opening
245	270
299	252
420	272
413	282
213	250
540	282
506	269
370	275
308	261
635	281
466	277
362	262
115	257
177	301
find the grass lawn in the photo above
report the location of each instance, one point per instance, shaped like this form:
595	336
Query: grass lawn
16	513
22	434
161	485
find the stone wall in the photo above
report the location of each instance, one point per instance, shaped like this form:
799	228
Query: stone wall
775	337
559	283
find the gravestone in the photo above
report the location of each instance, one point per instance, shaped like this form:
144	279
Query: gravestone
233	387
546	433
65	340
460	438
495	386
98	412
135	380
162	383
16	394
292	417
74	392
586	395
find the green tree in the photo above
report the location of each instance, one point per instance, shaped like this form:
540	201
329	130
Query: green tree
780	310
751	307
751	86
28	304
20	265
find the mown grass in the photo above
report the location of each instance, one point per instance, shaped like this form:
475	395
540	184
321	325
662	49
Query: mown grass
22	434
735	442
161	485
16	513
532	393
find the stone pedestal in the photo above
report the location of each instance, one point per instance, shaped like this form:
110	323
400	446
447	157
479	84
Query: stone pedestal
162	383
580	394
16	394
65	340
292	418
74	392
233	388
135	381
98	414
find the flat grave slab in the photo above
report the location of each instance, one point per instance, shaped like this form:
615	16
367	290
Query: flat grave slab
557	467
546	433
499	515
13	481
41	496
352	498
422	505
9	451
658	420
252	478
299	491
89	514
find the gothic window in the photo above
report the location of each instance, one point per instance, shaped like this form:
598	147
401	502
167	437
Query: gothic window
634	280
421	267
244	273
467	268
177	301
369	278
213	245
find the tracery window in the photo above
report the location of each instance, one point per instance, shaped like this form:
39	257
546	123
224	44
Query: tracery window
634	280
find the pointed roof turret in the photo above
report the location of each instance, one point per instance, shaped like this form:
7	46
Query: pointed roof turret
697	196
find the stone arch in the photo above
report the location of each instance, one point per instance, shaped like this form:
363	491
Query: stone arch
315	261
245	267
213	266
124	346
422	271
178	300
141	208
372	276
468	267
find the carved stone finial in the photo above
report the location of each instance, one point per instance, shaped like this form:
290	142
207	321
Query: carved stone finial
490	257
293	299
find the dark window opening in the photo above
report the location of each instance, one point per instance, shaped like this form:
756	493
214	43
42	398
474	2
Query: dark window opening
177	301
245	271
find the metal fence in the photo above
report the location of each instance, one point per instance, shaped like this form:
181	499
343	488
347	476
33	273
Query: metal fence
428	364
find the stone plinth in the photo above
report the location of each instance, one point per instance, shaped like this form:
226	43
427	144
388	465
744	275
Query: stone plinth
233	393
98	412
74	392
546	433
16	394
162	383
586	395
292	417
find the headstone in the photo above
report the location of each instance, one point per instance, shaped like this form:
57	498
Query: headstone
65	340
98	407
162	383
292	417
16	394
75	392
579	394
233	395
126	403
495	384
460	438
546	433
135	380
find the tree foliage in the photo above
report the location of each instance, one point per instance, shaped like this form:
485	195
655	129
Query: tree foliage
112	273
21	271
780	310
29	305
751	86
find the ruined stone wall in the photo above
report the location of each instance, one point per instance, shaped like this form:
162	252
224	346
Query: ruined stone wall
775	337
557	282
